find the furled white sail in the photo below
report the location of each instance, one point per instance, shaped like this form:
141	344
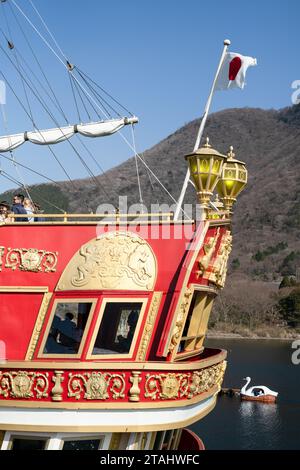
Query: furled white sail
11	142
100	129
50	136
59	134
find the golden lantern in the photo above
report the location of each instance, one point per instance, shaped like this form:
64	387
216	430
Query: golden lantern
233	180
205	168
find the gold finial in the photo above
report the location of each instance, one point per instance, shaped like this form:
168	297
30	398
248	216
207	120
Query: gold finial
231	153
207	144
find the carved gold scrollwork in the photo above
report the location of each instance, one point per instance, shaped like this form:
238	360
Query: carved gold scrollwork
31	260
218	271
208	248
165	386
149	325
176	385
96	386
116	260
23	384
180	320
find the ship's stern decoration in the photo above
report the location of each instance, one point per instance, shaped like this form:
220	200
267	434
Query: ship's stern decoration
116	260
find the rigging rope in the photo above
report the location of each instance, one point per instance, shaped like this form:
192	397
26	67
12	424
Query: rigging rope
92	99
104	91
19	183
37	61
25	110
137	167
57	125
29	169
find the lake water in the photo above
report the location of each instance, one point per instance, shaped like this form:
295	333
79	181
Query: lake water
234	424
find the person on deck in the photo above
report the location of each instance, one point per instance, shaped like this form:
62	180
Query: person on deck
5	213
29	208
18	208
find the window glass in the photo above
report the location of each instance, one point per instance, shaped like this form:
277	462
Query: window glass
117	328
67	328
28	444
83	444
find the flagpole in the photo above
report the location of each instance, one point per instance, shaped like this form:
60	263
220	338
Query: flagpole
201	129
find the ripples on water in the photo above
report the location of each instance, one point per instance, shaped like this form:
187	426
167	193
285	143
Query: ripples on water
236	424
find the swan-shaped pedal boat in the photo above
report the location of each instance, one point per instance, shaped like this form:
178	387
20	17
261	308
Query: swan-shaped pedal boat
257	393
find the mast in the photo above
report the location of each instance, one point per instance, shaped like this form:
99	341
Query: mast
201	129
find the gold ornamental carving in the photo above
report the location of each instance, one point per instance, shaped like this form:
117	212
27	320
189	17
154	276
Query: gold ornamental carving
28	259
22	384
180	319
115	260
96	386
135	391
57	390
148	329
217	272
180	385
208	248
38	326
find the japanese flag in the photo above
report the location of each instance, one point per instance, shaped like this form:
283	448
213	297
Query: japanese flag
233	71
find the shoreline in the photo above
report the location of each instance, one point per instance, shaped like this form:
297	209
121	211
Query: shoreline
219	335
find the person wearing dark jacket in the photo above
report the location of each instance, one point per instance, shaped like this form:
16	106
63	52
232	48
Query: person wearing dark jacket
18	208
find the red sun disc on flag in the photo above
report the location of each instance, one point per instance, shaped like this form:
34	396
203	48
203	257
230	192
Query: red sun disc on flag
234	67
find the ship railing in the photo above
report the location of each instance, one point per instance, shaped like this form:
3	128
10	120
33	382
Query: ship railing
95	218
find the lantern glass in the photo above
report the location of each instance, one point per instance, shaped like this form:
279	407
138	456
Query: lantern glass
205	168
233	179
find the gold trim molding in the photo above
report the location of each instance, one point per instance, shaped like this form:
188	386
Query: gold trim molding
38	326
103	386
148	329
88	365
182	311
25	289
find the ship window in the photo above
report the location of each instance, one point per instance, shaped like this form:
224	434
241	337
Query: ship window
27	443
196	322
118	324
82	444
67	328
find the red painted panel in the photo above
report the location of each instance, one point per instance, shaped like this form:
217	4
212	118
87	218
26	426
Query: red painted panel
18	315
168	243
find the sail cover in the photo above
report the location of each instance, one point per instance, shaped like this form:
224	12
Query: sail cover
59	134
100	129
50	136
11	142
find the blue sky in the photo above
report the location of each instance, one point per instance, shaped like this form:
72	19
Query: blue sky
156	57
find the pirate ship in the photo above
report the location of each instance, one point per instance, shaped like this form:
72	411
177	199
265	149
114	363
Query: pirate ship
103	316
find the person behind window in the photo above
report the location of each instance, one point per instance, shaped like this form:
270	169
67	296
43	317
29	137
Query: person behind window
18	208
125	343
70	335
64	336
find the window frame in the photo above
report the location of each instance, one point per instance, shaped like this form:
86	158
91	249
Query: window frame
197	326
61	300
88	437
7	443
104	302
